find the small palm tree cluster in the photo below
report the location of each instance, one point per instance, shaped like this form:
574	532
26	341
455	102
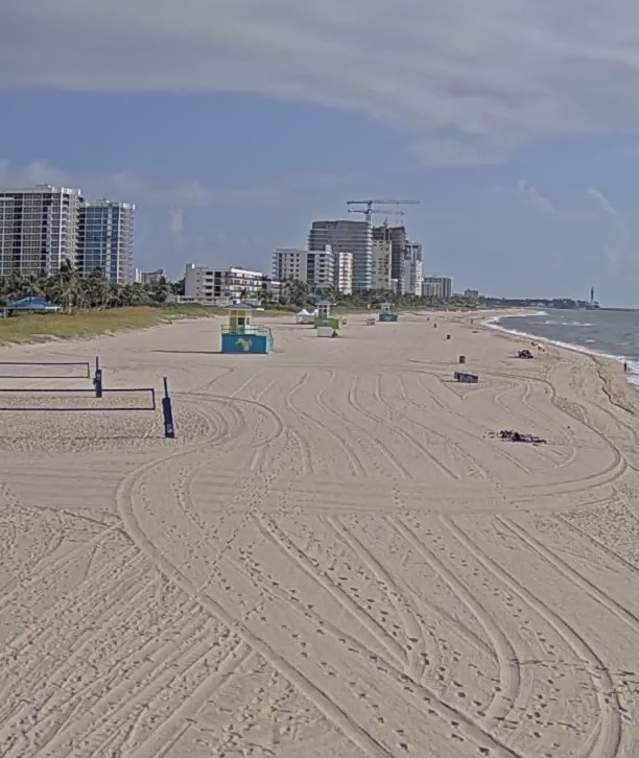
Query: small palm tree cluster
71	291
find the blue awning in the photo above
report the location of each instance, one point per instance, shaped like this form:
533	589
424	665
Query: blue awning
32	304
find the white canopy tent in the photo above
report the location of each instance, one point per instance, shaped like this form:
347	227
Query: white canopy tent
305	317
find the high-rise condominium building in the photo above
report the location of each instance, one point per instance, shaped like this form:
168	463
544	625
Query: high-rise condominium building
347	237
105	240
437	286
411	271
405	259
396	235
381	268
38	229
318	268
344	272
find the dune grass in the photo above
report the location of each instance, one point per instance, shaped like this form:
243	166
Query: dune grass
28	328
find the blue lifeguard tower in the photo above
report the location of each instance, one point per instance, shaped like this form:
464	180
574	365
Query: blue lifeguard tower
387	313
240	337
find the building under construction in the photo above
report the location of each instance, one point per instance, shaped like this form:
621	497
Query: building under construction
357	237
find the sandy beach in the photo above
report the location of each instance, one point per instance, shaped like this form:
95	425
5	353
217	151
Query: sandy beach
336	557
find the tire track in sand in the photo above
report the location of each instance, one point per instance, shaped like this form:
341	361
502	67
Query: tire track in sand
508	661
376	444
465	422
355	463
379	421
11	593
578	413
385	577
174	666
473	464
305	448
533	417
270	530
398	600
571	574
168	733
90	602
127	690
597	543
347	422
377	394
355	732
424	699
609	737
396	676
357	469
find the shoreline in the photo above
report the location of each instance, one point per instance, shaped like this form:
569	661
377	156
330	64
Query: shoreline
632	377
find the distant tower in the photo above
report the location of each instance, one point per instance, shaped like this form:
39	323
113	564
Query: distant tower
592	296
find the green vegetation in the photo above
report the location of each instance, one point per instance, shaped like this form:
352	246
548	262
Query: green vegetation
71	291
85	324
89	306
296	294
300	294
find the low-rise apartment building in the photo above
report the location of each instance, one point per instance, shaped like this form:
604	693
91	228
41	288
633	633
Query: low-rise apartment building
224	286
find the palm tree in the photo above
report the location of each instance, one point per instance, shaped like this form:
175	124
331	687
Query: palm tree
296	293
65	287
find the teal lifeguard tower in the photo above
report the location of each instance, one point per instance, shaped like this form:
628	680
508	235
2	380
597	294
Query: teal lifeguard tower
240	337
324	317
387	313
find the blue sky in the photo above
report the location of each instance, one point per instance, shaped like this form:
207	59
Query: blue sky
233	123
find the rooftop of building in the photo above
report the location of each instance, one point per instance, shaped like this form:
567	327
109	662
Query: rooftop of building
230	269
40	189
106	203
330	223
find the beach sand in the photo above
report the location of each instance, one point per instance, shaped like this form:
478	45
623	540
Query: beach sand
334	559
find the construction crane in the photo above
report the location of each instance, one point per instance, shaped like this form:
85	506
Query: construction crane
369	210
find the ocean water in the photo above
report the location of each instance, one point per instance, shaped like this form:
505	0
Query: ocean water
612	333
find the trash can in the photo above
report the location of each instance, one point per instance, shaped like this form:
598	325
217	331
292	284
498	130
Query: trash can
462	359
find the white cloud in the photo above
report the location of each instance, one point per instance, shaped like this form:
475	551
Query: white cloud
183	194
155	193
457	152
617	237
176	221
33	172
602	202
492	70
533	197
